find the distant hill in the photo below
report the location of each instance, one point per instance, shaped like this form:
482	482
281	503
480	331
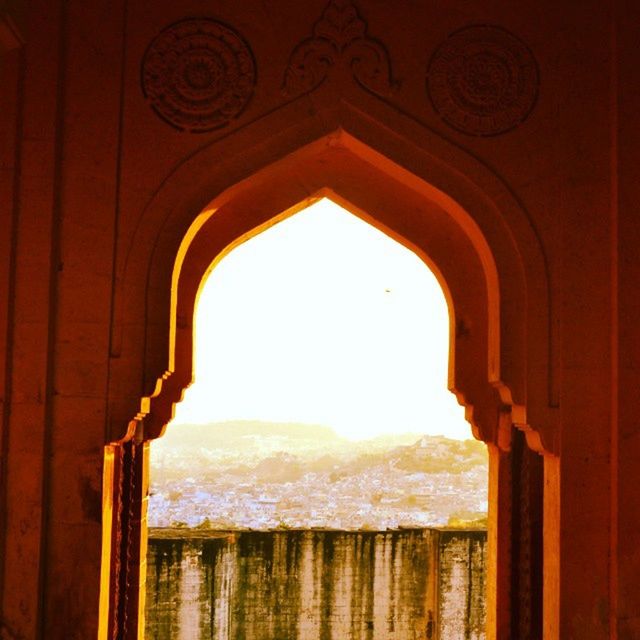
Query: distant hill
235	433
285	451
238	434
437	454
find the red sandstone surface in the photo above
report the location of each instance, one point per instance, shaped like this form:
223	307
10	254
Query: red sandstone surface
498	140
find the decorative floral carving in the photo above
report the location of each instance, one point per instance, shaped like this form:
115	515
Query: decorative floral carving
339	37
198	75
483	80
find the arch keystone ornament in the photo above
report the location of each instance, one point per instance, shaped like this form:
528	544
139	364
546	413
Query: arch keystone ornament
198	75
339	37
483	80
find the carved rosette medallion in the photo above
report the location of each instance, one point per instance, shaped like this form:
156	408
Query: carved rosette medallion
339	38
198	75
483	81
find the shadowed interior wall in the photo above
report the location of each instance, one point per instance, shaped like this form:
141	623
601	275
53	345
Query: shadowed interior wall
317	585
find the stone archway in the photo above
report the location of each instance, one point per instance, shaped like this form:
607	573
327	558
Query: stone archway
473	244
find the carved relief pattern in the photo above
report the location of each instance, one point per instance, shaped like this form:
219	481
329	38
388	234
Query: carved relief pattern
339	37
483	80
198	75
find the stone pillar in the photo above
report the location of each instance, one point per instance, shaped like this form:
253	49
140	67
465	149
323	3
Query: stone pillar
129	550
526	540
585	227
499	545
514	589
28	206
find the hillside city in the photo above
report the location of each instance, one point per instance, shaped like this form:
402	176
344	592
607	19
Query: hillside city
264	476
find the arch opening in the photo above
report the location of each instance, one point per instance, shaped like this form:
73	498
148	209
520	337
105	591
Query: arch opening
477	258
322	421
320	274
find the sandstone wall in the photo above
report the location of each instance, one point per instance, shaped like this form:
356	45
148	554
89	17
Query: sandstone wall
318	585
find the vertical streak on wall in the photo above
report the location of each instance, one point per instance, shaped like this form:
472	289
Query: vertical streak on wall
209	607
453	574
461	585
308	626
367	564
343	585
381	587
432	590
615	326
163	581
189	612
476	588
225	587
625	549
11	79
55	266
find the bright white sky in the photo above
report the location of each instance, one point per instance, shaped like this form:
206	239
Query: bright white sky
323	319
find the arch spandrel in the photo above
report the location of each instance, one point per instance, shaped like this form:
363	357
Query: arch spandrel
469	240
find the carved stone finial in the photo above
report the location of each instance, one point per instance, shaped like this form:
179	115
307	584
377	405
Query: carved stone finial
483	80
339	37
198	75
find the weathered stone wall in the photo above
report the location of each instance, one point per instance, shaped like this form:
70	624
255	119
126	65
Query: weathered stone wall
461	585
317	585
